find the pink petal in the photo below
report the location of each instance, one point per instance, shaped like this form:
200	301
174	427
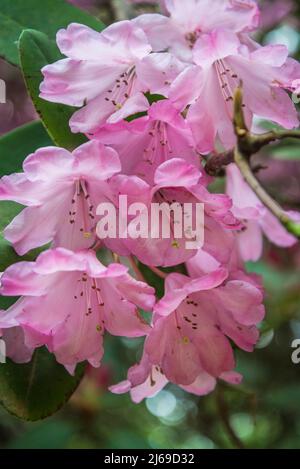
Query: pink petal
176	173
203	385
275	232
214	46
156	72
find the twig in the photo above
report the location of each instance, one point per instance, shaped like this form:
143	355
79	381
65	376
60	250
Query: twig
247	145
264	197
250	143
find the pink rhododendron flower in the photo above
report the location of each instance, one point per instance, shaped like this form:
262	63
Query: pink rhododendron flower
155	95
68	301
100	73
189	19
146	380
62	191
195	318
177	182
258	220
145	143
189	344
222	62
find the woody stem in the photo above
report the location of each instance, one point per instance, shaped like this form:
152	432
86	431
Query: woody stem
247	145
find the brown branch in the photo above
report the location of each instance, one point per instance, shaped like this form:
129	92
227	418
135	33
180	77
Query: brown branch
216	163
259	141
247	145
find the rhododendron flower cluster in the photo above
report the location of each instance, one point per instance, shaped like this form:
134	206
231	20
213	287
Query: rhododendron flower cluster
154	96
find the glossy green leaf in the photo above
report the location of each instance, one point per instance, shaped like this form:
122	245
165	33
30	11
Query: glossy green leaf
47	16
38	389
36	51
16	145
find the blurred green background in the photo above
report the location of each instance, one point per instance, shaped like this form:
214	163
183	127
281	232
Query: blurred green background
263	412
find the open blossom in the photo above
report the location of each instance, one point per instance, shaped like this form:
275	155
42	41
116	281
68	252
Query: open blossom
189	344
189	19
62	191
257	219
146	380
102	73
99	72
69	300
222	63
145	143
195	318
175	183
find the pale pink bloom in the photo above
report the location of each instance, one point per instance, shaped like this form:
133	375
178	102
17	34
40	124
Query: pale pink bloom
257	219
99	72
62	191
195	318
222	63
102	72
145	143
69	300
146	380
176	182
190	18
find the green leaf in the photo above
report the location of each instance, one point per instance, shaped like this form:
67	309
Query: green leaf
47	16
38	389
36	51
16	145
